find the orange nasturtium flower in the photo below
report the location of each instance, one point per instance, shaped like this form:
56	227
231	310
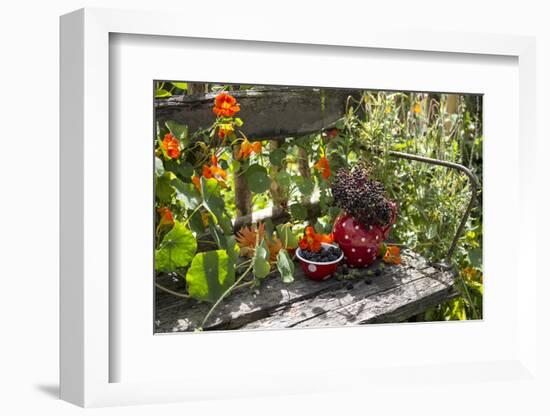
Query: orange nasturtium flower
171	146
214	171
312	241
323	167
417	109
166	217
392	255
247	148
225	105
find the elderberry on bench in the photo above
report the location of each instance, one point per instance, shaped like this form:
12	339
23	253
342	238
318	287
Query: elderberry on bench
325	255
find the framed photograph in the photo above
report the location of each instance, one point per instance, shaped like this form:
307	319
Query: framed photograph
312	227
260	207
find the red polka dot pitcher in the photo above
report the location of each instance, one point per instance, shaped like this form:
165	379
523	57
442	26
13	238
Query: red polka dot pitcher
359	242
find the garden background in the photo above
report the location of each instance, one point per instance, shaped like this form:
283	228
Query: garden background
291	176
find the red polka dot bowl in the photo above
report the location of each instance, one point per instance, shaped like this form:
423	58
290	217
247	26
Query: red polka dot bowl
315	270
360	243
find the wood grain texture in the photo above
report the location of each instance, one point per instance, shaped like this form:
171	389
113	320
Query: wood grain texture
397	294
273	113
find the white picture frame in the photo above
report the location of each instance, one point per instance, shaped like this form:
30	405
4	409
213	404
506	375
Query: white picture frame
85	212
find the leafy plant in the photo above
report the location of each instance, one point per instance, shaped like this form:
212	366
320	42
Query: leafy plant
195	173
176	249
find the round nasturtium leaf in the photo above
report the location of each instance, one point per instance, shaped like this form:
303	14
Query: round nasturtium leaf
208	277
176	249
257	178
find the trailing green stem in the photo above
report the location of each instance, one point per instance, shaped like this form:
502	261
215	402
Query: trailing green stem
193	213
215	305
165	289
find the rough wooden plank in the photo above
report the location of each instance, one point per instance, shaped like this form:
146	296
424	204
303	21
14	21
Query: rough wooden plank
296	313
268	114
245	306
242	307
416	307
393	305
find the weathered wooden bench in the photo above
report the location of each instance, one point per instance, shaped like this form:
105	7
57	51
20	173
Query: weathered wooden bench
399	293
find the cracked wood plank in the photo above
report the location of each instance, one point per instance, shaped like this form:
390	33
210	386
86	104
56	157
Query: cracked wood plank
267	114
391	305
243	306
299	313
279	305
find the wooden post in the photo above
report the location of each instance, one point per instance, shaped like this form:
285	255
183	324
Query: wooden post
303	168
278	194
243	196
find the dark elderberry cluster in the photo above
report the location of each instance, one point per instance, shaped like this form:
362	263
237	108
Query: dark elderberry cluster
325	255
361	196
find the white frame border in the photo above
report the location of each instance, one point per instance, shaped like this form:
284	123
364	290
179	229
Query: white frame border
84	182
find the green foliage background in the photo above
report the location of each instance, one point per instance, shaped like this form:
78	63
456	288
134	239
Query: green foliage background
431	199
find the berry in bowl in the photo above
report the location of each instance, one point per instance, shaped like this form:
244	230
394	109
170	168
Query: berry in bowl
318	257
